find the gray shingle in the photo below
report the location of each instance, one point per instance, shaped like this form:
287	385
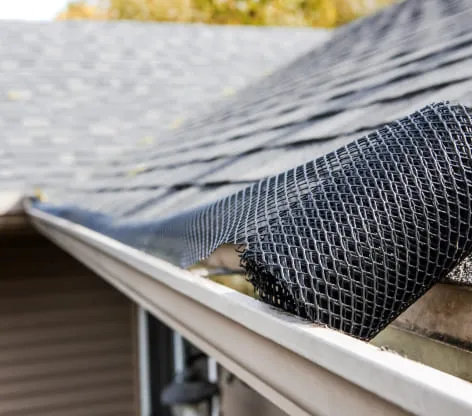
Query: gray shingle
101	87
370	72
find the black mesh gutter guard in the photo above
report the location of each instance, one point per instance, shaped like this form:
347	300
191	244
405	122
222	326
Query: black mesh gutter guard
349	240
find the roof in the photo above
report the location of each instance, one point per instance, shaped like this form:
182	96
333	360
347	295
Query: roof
152	197
371	72
374	71
73	94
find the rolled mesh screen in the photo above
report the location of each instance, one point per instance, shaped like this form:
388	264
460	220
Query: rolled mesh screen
349	240
368	229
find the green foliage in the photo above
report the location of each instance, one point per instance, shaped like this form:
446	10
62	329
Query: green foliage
320	13
80	10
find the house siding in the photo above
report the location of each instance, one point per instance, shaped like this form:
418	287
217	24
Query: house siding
66	336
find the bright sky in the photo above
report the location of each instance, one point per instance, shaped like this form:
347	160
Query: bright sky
30	9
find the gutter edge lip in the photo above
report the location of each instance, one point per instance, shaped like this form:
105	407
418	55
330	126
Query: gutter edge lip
410	385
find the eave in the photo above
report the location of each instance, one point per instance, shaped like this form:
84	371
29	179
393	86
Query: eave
13	221
302	368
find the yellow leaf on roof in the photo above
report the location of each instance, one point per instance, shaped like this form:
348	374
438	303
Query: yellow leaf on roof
136	170
18	95
146	140
176	123
40	194
227	91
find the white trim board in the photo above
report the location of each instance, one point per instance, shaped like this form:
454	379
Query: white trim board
13	220
11	203
302	368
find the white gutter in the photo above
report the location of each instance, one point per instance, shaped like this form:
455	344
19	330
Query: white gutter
302	368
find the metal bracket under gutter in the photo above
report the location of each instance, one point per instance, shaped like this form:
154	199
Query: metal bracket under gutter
302	368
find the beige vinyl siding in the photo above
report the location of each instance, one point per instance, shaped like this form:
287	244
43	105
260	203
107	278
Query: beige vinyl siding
66	336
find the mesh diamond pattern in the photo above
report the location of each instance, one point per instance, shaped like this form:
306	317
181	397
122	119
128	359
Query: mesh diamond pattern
349	240
354	238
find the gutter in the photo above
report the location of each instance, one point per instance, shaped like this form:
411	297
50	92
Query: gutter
302	368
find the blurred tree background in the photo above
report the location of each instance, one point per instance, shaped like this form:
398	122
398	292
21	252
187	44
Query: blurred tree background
316	13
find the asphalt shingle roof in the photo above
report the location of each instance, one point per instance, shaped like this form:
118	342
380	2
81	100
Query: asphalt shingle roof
368	73
73	94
